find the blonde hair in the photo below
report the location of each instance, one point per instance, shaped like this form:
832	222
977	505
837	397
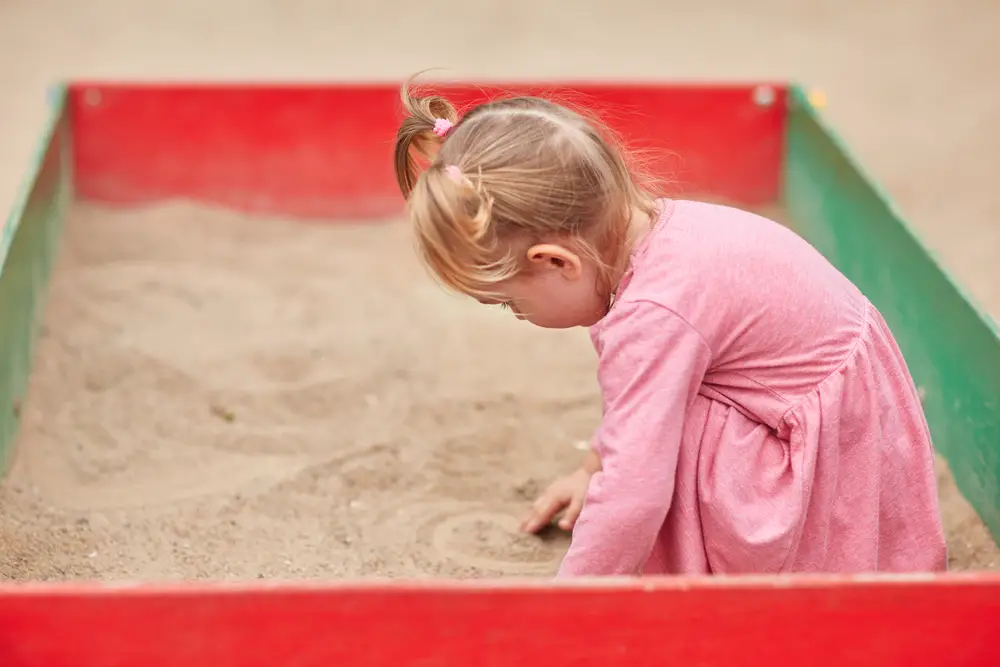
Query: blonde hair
511	171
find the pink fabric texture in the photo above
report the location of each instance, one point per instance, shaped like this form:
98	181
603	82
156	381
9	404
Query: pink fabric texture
758	415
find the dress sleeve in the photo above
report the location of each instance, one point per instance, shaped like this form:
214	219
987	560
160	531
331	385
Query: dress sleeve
652	363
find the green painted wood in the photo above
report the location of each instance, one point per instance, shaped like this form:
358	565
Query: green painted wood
27	249
950	346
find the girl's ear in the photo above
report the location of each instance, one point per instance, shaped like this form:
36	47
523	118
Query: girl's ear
554	257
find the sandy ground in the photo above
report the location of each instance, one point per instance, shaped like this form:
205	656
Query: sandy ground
909	85
220	397
224	397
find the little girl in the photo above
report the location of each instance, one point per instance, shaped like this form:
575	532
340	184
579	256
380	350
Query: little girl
758	416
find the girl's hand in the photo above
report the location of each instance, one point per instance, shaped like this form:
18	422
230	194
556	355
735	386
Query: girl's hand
566	493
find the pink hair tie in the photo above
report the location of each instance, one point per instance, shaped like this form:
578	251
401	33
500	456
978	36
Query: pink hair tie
454	173
442	126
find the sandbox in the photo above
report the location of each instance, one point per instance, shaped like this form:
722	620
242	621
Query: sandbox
228	386
221	396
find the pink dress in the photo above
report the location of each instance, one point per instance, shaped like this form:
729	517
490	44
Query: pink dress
758	415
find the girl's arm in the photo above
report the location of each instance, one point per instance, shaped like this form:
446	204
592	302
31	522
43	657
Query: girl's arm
652	364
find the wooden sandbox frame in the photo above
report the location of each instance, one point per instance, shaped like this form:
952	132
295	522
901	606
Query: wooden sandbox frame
323	152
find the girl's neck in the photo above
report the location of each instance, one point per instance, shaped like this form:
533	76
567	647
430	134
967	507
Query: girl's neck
639	227
640	224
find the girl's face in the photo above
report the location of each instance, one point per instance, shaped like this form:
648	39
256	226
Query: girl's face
558	289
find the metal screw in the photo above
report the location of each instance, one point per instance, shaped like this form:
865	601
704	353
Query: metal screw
763	96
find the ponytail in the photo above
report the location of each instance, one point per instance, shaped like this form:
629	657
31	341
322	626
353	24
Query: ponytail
465	239
416	133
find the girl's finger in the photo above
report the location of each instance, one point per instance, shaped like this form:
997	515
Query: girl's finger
572	514
542	512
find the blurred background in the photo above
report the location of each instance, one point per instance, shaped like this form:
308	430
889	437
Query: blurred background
912	86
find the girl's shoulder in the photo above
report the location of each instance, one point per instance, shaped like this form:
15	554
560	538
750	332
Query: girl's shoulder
725	226
696	245
722	268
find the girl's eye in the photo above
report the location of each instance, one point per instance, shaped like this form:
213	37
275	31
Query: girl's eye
505	305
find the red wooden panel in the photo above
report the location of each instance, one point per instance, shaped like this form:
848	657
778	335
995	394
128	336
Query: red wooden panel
325	150
705	623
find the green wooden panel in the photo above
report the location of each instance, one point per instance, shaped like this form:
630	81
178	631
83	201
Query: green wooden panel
27	249
951	347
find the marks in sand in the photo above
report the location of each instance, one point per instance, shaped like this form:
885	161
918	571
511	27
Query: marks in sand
208	380
471	539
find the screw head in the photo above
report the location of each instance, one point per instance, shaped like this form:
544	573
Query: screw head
764	96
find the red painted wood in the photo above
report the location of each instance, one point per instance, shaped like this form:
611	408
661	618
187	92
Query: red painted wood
325	150
705	623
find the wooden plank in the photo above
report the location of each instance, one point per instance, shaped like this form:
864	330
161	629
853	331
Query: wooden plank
912	621
324	151
28	245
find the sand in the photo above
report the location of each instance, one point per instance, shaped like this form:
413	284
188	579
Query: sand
223	397
920	118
